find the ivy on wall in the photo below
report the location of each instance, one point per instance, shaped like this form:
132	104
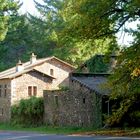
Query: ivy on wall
97	64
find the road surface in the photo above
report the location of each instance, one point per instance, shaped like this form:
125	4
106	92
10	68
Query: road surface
7	135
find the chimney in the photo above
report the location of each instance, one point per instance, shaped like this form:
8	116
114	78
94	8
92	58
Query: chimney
113	61
19	66
33	58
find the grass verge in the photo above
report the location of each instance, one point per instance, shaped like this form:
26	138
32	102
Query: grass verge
72	130
45	129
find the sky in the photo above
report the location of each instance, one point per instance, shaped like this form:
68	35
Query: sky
28	6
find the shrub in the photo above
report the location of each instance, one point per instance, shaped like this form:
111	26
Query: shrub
29	112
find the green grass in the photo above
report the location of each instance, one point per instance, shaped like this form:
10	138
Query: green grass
45	129
73	130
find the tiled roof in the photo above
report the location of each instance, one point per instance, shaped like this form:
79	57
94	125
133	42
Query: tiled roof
93	82
11	73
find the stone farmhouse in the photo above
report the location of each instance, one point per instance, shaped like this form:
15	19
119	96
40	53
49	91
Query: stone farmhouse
30	79
82	105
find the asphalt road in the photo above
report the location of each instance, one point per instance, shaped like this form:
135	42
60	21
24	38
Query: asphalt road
35	136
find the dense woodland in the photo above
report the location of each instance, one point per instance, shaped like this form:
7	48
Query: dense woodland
76	30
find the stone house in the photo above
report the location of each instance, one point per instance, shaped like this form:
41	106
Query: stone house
30	79
81	105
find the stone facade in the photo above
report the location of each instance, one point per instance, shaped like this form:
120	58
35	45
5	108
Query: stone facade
72	108
60	72
19	85
78	106
30	79
5	100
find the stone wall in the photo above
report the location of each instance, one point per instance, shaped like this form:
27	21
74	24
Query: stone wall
60	72
5	100
73	108
20	85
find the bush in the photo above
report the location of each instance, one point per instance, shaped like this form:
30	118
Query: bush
29	112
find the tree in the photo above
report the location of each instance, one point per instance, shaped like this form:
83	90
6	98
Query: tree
7	9
125	86
65	46
15	44
92	19
102	18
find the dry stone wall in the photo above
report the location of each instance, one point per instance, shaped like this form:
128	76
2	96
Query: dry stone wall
73	108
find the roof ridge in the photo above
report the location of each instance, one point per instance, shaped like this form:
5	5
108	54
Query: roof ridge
27	66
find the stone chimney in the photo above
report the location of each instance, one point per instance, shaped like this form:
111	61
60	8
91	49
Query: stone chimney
19	66
113	60
33	58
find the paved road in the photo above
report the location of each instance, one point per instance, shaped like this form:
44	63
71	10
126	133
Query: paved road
34	136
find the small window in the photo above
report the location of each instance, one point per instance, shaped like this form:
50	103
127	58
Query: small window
29	90
56	100
84	100
51	72
5	90
34	90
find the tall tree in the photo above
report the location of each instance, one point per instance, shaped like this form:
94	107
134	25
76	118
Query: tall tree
66	46
92	19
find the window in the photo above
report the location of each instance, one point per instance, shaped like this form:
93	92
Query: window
51	72
1	111
0	90
32	90
29	91
84	100
56	100
5	90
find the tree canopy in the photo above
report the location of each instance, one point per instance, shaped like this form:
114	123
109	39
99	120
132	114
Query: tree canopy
102	18
7	9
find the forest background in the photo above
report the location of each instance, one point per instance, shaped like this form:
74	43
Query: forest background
75	31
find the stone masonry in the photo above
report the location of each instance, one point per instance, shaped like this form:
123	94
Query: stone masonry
72	108
5	100
81	105
25	79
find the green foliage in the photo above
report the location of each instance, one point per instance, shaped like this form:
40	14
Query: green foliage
7	8
65	46
29	112
96	64
125	87
14	46
63	88
45	36
94	19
